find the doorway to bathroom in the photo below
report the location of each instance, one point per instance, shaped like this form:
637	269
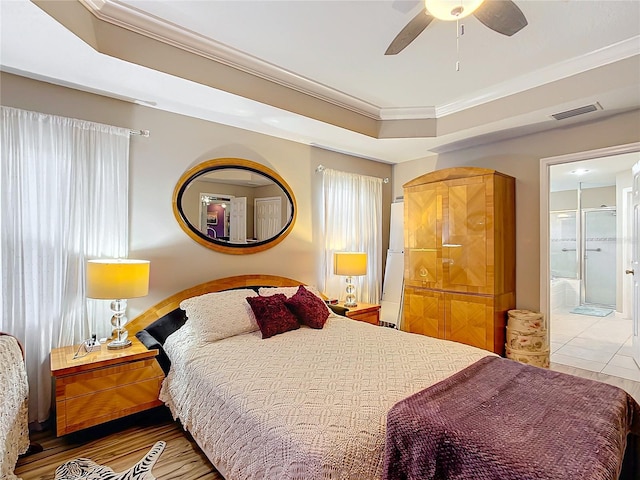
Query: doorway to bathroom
589	302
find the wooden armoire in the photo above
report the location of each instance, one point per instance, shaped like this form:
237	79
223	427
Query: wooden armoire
459	255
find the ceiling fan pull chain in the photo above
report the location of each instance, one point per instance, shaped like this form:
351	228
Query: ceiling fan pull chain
457	45
459	33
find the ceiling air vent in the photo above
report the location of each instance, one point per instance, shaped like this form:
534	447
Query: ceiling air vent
577	111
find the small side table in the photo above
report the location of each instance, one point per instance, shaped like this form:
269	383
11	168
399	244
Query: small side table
103	385
364	312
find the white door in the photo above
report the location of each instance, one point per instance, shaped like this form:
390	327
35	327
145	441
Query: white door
635	259
238	220
203	214
268	217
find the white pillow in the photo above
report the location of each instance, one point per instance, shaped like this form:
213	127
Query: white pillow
291	291
218	315
288	291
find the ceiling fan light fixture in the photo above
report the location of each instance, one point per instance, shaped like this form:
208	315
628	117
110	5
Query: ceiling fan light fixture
451	10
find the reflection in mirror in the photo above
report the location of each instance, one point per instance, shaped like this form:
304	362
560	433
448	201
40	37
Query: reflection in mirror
232	205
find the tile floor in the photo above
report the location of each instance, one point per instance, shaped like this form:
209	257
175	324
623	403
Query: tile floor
597	344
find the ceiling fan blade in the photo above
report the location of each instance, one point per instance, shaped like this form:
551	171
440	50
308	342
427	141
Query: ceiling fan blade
409	33
405	6
502	16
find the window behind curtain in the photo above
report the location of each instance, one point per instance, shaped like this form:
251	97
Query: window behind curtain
352	222
63	199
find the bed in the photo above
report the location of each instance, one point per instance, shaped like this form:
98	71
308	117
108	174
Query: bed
14	398
309	402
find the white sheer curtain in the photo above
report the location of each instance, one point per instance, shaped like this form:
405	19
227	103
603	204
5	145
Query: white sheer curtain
352	222
63	199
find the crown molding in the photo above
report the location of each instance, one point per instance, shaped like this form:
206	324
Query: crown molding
135	20
409	113
552	73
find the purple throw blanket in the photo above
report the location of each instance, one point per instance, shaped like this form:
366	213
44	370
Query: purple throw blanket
498	419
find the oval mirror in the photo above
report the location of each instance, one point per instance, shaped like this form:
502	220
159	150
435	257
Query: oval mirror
234	206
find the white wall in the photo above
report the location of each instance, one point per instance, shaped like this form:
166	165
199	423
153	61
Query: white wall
564	200
520	158
176	144
597	197
590	198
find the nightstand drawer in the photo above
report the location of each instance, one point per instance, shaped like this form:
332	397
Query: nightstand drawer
369	317
107	378
83	411
363	312
97	396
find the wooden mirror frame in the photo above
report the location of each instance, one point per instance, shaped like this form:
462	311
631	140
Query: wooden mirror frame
218	245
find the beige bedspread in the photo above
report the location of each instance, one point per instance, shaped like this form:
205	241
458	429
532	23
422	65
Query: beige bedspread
306	404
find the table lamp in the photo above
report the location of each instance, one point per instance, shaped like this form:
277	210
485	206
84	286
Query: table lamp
118	280
350	264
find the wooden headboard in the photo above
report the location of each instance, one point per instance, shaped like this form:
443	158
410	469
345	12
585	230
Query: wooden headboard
173	302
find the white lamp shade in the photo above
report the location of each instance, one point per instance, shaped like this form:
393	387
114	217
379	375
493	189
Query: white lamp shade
117	279
350	263
443	9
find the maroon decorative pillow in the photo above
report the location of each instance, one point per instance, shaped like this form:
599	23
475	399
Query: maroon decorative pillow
272	315
309	308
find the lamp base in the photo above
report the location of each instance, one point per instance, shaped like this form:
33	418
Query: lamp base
117	345
118	321
350	300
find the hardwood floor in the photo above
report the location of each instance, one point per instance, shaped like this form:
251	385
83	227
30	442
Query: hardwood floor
631	387
119	445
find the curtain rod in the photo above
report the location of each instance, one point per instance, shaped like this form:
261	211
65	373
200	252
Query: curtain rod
142	133
321	168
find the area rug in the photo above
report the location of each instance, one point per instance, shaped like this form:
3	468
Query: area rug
593	311
86	469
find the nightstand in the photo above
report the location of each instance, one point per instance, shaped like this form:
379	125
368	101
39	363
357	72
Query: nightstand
365	312
103	385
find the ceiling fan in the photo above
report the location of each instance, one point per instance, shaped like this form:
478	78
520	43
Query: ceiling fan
502	16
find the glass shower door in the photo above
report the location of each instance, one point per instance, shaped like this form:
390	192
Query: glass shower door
599	248
563	244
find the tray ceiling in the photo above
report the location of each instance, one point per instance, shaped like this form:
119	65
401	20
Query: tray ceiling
315	71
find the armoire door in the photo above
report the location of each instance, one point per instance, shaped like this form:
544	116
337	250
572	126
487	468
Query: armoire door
467	223
423	211
469	319
423	312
